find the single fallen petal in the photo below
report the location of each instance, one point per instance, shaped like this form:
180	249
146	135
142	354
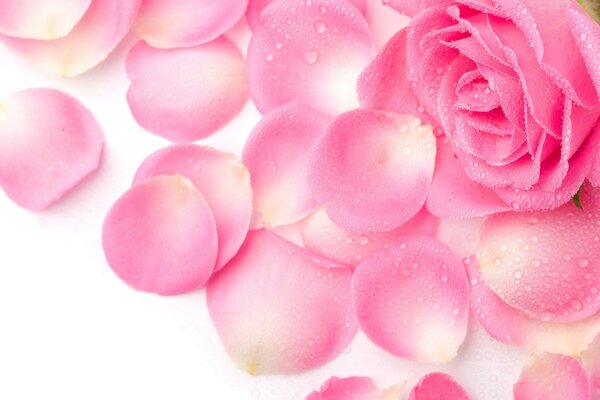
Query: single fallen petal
552	377
352	388
223	181
183	23
591	361
412	299
276	154
49	142
545	264
160	236
311	51
94	37
372	169
40	19
189	93
323	237
279	309
438	386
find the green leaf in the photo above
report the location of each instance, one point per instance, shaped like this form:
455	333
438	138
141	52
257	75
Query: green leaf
577	198
592	7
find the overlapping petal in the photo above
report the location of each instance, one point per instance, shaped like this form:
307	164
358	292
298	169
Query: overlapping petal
189	93
182	23
223	181
438	386
372	169
160	236
49	142
279	309
587	37
95	36
412	299
277	155
311	51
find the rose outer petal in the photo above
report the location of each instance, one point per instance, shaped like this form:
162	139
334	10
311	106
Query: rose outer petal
223	181
438	386
40	19
160	236
371	170
586	33
49	142
279	309
412	299
189	93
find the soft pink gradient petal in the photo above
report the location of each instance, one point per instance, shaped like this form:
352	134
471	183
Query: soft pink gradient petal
184	23
95	36
277	155
279	309
586	33
509	326
552	377
591	362
40	19
308	51
186	94
322	236
160	236
371	170
438	386
546	264
413	7
49	142
412	299
352	388
222	179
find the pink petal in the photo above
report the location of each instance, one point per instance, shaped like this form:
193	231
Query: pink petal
587	36
438	386
372	169
183	23
353	388
322	236
278	309
552	377
189	93
412	299
49	142
469	199
40	19
220	177
413	7
510	326
276	154
308	51
545	264
160	236
591	361
94	37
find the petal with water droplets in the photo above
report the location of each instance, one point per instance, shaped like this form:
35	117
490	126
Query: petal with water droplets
308	51
352	388
278	309
276	154
49	142
160	236
591	361
412	299
587	36
223	181
372	169
438	386
413	7
189	93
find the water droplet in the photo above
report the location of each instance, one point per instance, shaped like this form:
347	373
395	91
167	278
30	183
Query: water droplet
269	57
320	27
583	262
311	57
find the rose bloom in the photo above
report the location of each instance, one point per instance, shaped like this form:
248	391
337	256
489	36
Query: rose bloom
514	85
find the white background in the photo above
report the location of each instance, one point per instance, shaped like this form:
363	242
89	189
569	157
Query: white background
69	329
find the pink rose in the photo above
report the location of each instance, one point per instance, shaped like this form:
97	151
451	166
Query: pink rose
515	86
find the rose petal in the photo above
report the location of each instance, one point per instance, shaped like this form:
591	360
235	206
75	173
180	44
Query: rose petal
279	309
352	388
510	326
222	179
40	19
372	169
160	236
413	7
94	37
183	23
308	51
587	36
591	361
412	299
49	142
545	264
552	377
438	386
322	236
189	93
276	154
